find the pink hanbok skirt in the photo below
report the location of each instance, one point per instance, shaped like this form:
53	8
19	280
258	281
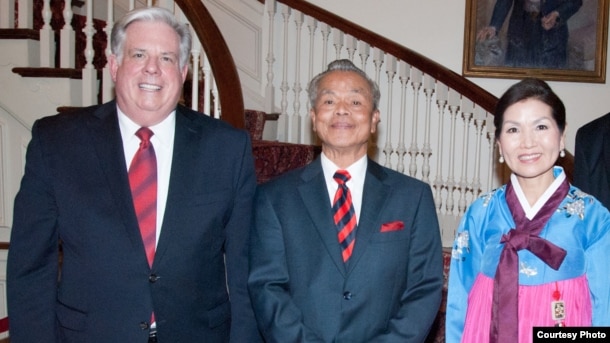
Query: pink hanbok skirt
535	307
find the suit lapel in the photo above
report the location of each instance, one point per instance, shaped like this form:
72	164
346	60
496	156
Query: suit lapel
185	152
374	197
105	135
315	197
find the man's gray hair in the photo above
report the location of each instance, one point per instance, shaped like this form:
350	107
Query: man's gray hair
342	65
150	14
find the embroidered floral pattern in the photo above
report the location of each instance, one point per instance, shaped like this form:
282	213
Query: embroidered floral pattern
527	270
575	204
461	244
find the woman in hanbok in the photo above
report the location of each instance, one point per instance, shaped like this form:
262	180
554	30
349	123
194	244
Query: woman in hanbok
533	252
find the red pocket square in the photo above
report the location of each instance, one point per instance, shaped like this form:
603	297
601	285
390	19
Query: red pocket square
392	226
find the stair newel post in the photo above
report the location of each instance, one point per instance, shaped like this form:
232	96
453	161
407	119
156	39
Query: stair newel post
66	39
89	72
47	44
107	83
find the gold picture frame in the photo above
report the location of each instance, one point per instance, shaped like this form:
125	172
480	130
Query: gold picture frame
576	54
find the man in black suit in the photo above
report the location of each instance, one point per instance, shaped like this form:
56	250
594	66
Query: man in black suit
369	272
592	159
116	284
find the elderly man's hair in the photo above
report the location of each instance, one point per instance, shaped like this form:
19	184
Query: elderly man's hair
342	65
150	14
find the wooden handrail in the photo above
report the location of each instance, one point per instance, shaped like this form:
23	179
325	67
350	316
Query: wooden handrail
221	61
469	89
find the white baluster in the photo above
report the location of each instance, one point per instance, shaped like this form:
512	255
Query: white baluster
7	14
132	4
338	42
306	132
467	109
297	88
390	72
25	18
479	121
216	100
364	51
107	83
351	44
89	72
196	55
270	7
67	43
325	30
416	77
284	124
208	78
489	121
439	182
454	107
377	63
427	150
403	76
47	41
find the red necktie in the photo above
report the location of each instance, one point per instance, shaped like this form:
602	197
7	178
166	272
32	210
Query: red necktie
344	214
143	183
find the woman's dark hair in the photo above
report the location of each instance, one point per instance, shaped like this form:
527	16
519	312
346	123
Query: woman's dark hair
530	88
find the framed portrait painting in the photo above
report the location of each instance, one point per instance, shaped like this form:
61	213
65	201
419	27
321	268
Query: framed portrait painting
559	40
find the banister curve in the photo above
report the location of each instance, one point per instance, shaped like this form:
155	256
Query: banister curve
221	61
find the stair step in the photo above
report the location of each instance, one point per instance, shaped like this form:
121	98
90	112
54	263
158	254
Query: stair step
70	73
19	34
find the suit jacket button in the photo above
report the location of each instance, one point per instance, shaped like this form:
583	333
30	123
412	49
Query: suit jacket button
152	278
144	325
347	295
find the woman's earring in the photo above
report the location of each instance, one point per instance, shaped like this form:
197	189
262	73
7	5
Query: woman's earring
562	153
501	159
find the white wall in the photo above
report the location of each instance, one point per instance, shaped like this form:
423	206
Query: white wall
407	22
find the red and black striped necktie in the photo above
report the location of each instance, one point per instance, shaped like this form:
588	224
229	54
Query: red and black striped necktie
344	214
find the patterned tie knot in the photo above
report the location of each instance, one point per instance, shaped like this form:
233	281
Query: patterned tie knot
342	176
144	134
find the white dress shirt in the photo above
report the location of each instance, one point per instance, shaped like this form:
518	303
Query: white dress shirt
163	142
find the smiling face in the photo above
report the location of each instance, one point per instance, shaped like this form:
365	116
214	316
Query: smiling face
530	141
148	80
343	116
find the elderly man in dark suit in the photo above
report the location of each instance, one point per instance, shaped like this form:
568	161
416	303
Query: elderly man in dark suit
592	159
151	203
345	250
